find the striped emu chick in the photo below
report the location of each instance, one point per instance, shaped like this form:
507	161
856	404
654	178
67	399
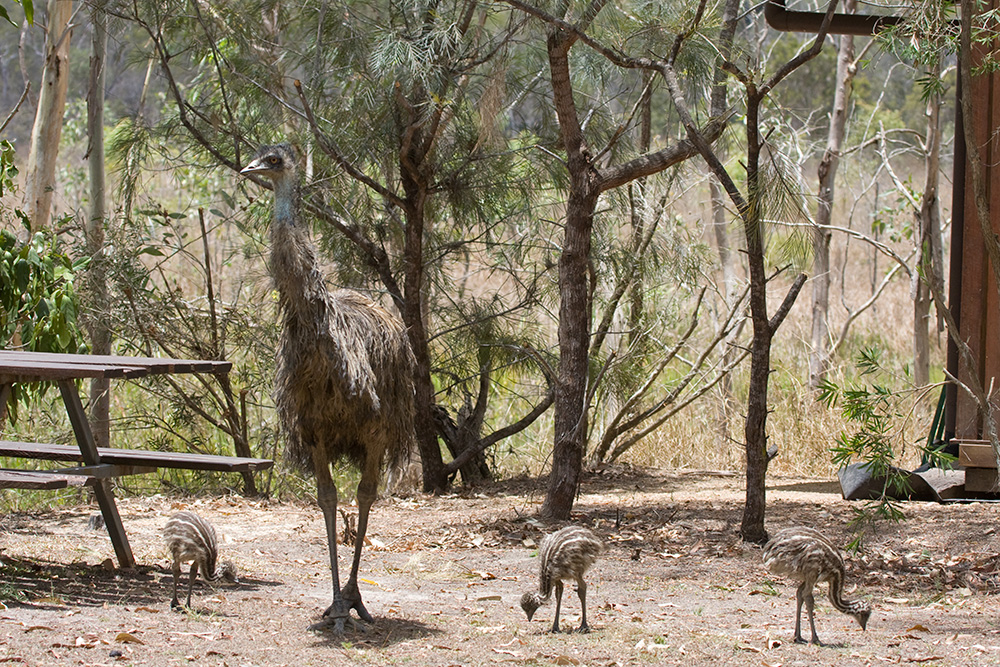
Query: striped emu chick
192	538
806	556
564	555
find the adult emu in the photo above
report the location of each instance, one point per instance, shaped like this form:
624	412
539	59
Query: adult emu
343	384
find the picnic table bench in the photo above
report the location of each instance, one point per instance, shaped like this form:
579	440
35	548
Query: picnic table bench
96	466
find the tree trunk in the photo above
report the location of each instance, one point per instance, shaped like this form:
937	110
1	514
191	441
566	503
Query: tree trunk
415	187
586	182
720	228
574	304
44	151
819	357
96	278
755	426
930	250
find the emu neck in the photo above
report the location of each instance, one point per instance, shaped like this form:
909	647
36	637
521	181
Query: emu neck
836	581
286	201
544	589
294	268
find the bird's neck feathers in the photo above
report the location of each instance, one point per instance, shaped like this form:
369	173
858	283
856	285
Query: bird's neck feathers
544	589
286	202
294	264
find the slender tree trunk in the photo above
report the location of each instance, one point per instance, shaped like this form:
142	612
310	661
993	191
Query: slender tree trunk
585	185
930	251
96	279
415	187
720	228
639	209
574	303
44	151
819	357
755	426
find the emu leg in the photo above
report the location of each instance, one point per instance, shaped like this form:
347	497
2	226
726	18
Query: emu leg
326	498
559	590
351	593
175	603
581	591
191	578
810	609
799	596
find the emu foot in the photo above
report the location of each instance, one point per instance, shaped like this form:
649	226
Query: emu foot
352	600
583	629
336	623
338	614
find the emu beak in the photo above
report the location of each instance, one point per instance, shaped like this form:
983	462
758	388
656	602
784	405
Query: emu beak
254	167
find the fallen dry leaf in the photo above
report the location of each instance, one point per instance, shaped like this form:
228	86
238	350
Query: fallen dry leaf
49	599
127	638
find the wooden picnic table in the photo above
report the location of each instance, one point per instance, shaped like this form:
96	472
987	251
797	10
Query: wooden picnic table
98	465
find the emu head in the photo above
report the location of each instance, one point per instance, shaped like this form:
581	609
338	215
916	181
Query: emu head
276	163
530	603
862	615
229	572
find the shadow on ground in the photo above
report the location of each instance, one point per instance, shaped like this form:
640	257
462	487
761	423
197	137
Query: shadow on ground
42	583
383	633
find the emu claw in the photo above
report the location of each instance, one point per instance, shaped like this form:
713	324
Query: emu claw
338	613
337	624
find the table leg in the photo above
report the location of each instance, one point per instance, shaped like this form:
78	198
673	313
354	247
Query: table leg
102	487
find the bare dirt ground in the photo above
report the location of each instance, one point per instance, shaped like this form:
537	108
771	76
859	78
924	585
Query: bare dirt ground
443	577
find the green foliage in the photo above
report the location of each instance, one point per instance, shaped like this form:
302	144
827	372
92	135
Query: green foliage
876	410
38	303
8	170
985	30
29	13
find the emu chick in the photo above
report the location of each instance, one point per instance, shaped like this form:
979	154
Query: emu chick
808	557
192	538
563	555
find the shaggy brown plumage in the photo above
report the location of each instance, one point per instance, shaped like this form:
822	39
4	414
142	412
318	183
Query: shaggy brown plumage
807	556
564	554
343	388
192	538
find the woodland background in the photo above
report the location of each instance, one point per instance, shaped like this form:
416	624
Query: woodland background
442	179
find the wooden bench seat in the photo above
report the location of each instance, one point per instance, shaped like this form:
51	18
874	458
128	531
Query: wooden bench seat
135	457
29	479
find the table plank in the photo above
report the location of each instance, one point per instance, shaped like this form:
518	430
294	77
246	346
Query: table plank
135	457
29	479
39	370
51	365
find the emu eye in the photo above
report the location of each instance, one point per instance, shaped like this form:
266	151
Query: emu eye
273	159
